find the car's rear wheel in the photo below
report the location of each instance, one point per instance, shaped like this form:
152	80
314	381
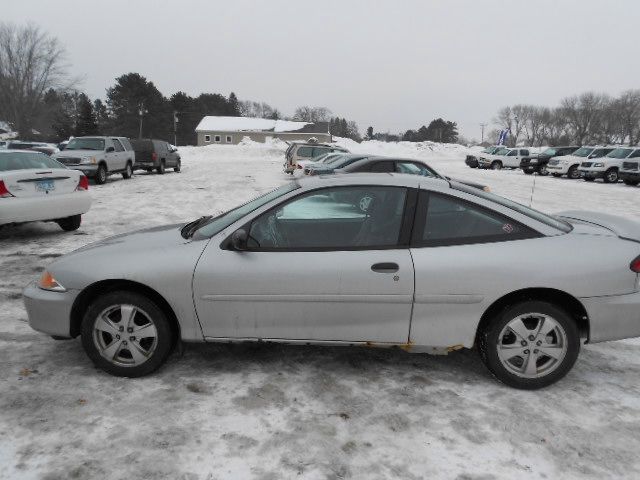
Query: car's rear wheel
543	171
573	173
611	176
528	172
126	334
530	345
101	174
633	183
128	171
162	168
178	167
496	165
70	224
557	175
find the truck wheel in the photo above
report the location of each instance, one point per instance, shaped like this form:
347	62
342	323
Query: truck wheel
573	173
528	172
70	224
633	183
557	175
101	174
128	171
543	171
161	168
177	167
611	176
496	165
589	179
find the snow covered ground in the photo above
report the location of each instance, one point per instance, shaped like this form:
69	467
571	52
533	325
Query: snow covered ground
272	412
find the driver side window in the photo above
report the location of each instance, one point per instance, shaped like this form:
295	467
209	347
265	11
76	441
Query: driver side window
332	218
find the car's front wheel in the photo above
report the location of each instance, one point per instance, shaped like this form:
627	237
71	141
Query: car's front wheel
178	167
543	171
496	165
126	334
530	345
573	173
611	176
101	174
161	168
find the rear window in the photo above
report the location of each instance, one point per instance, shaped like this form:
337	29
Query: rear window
517	207
25	161
142	145
305	152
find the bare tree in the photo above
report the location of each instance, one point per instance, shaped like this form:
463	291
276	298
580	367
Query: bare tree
511	118
31	62
312	114
582	113
628	109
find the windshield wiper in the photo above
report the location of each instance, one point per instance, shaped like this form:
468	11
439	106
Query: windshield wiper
190	228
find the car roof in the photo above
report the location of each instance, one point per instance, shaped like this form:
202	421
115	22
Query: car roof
13	150
388	179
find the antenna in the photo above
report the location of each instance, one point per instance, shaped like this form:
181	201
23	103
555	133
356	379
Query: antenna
533	187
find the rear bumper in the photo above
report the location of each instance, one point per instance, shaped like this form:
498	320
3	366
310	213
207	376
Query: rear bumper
49	207
613	317
49	312
149	164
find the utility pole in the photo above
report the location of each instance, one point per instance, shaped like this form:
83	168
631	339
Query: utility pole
482	125
175	123
141	112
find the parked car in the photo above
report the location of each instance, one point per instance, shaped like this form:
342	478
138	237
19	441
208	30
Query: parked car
155	155
99	157
339	162
505	158
568	164
3	144
630	171
305	151
34	188
21	145
324	158
377	164
297	266
608	167
538	163
472	159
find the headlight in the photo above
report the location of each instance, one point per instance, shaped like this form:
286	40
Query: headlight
486	189
47	282
598	164
88	160
564	162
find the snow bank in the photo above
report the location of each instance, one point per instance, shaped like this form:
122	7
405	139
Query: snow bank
247	124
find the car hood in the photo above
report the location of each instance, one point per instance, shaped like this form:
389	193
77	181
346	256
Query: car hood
78	153
622	227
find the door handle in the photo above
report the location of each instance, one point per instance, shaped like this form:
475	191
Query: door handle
387	267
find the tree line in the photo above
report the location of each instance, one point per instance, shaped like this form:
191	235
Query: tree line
588	118
41	101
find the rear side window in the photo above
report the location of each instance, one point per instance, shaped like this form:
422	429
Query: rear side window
524	152
319	151
635	154
512	153
142	145
117	145
382	167
443	220
305	152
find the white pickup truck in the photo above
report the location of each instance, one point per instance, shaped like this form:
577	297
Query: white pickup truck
568	164
98	157
504	158
608	167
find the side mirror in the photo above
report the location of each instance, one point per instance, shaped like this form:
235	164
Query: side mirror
239	240
110	149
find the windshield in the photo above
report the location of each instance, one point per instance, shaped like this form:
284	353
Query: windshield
549	152
86	144
488	150
219	223
583	152
529	212
501	151
26	161
620	153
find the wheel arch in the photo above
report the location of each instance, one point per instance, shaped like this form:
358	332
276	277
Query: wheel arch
93	291
562	299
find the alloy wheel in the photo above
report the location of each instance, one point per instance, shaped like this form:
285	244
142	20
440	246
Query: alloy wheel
532	345
125	335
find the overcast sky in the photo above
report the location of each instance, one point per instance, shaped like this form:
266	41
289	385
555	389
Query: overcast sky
390	64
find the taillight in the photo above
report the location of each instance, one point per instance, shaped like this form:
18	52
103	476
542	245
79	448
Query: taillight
154	156
4	193
635	265
83	184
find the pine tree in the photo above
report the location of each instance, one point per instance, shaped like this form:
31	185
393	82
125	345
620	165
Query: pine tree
86	123
370	133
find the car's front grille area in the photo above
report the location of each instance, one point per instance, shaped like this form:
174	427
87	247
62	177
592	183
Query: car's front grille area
554	162
69	160
630	165
586	164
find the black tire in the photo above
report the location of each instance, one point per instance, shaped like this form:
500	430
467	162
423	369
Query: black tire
178	167
573	173
149	170
496	165
611	176
557	175
128	171
101	174
488	341
528	172
632	183
589	179
162	168
543	171
150	311
70	224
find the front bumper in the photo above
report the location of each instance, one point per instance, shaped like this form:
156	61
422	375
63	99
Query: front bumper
591	173
613	317
49	312
45	208
559	169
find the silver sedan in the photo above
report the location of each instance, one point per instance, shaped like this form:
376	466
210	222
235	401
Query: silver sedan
423	264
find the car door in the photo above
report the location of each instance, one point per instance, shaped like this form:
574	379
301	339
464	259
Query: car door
327	265
118	158
462	254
